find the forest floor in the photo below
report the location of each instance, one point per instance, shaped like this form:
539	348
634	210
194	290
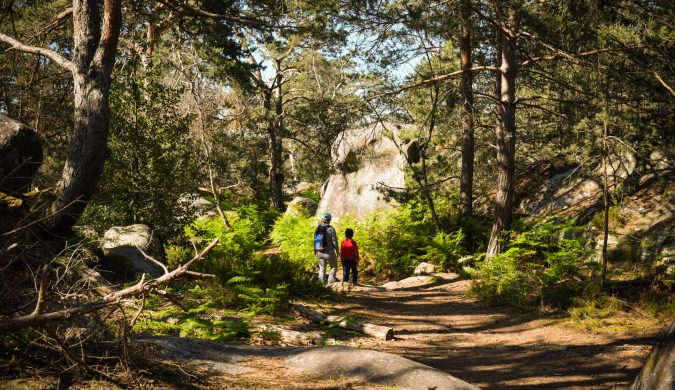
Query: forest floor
492	347
496	347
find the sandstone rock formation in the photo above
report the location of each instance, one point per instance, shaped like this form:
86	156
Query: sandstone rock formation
368	159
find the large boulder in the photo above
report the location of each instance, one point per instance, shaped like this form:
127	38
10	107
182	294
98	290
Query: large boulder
374	367
302	206
368	160
20	156
573	192
303	186
643	226
121	245
565	194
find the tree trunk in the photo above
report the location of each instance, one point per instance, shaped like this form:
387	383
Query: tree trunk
276	176
605	196
658	372
95	43
466	114
377	331
506	134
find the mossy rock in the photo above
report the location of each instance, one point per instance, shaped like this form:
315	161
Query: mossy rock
302	206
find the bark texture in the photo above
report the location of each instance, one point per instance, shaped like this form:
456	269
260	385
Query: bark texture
658	372
506	133
377	331
466	114
96	33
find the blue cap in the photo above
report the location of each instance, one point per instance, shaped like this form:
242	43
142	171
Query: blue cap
326	216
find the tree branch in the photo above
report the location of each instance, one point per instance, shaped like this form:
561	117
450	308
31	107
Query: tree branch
525	63
52	55
33	320
186	9
58	20
110	33
432	80
559	56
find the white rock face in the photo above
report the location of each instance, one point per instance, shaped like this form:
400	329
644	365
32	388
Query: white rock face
120	245
368	158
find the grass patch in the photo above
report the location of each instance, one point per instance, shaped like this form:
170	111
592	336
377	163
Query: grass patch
611	315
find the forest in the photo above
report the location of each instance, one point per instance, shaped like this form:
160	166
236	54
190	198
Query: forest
506	167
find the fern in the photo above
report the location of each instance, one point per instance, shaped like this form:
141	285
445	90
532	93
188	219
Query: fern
543	263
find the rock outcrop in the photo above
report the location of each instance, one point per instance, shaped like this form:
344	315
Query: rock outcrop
374	367
121	245
641	225
20	156
368	160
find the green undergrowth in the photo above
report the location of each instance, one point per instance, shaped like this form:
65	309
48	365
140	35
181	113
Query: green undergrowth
545	264
249	278
391	242
203	319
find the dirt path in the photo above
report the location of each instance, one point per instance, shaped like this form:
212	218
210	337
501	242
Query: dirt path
494	347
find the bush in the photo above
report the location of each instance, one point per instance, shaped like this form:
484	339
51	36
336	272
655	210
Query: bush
390	241
237	242
445	249
268	281
294	236
543	263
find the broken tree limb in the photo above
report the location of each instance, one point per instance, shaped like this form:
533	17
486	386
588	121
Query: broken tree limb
114	298
377	331
291	337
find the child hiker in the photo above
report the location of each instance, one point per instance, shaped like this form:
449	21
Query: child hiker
349	255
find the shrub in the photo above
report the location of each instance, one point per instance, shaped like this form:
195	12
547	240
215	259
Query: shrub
545	263
294	236
393	240
445	249
237	242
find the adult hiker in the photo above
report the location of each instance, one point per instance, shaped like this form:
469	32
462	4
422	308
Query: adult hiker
326	248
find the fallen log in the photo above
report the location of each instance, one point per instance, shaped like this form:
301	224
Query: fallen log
291	337
377	331
38	319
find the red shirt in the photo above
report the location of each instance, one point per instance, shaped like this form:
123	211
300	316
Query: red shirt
349	250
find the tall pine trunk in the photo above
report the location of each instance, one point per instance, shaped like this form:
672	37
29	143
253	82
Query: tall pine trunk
276	175
467	116
506	133
95	43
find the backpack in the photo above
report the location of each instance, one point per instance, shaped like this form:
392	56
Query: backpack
321	237
348	250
